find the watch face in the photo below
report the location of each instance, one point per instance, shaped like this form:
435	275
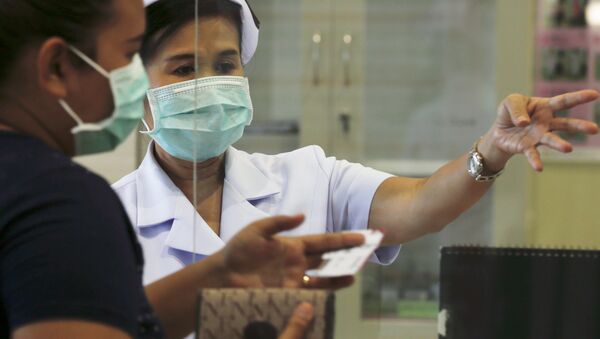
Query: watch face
475	165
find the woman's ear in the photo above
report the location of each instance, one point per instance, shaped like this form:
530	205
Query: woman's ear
54	67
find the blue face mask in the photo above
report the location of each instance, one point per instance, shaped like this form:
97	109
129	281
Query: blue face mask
199	119
128	85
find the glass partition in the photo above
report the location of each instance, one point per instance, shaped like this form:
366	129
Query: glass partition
401	86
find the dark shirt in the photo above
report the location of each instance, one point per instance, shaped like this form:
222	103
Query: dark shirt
67	249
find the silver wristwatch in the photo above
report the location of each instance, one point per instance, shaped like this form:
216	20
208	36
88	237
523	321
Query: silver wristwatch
476	166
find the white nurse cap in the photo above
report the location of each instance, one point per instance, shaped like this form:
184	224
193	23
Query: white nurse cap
250	29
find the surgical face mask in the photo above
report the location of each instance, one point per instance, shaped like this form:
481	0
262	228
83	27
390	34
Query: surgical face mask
199	119
128	85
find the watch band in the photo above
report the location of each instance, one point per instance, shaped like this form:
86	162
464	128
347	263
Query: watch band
485	178
480	177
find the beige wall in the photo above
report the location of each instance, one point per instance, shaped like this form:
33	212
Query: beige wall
559	207
565	209
515	50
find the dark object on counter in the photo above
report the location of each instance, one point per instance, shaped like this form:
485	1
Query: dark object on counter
501	293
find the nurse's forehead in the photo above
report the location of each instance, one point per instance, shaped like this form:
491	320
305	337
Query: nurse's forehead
215	33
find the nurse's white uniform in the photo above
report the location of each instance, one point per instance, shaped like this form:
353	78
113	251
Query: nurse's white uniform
333	195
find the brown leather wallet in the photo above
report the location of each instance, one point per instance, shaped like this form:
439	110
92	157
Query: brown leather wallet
261	313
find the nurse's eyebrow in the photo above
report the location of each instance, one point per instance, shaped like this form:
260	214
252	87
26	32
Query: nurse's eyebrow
229	52
178	57
190	55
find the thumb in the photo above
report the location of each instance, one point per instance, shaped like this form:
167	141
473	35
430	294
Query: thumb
299	322
271	226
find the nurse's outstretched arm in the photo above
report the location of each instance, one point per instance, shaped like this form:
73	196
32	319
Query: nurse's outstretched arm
409	208
255	257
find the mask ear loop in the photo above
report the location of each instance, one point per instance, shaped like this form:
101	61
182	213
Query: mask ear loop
145	126
89	61
146	108
150	102
70	111
92	64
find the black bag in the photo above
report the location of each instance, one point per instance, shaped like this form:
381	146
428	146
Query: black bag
512	293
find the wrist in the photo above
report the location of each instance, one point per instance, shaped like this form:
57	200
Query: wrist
218	274
494	158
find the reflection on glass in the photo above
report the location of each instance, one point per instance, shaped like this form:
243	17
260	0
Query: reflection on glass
430	74
430	91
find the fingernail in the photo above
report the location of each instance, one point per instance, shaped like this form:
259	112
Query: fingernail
305	311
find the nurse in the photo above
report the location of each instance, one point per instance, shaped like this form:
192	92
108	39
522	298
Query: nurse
72	83
193	124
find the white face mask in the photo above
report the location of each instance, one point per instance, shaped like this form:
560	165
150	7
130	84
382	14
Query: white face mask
128	85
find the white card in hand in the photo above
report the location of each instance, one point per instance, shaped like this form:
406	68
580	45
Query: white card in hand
349	261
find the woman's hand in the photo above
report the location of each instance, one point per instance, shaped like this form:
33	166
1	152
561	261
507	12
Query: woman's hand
524	123
256	257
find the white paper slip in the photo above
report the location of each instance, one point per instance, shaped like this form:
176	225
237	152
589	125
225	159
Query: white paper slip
348	261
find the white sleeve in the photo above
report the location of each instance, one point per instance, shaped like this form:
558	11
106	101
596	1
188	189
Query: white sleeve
351	191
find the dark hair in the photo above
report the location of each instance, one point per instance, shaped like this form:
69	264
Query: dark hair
23	22
166	17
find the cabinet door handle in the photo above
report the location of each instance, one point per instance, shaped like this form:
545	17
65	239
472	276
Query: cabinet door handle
345	119
317	40
347	59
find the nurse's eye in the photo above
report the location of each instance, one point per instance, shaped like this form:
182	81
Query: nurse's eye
184	70
225	68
